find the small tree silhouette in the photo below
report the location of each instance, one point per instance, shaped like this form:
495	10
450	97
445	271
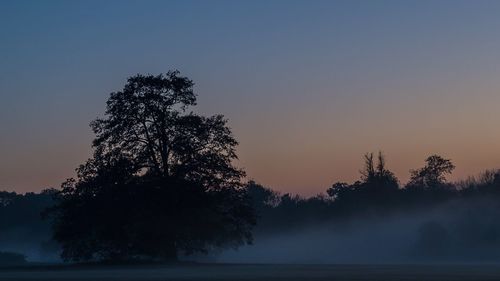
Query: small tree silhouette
433	174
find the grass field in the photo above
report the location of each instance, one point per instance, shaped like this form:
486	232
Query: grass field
257	272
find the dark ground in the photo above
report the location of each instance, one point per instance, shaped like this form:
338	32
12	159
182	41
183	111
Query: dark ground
256	272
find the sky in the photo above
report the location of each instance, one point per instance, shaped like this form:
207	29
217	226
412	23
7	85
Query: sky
308	86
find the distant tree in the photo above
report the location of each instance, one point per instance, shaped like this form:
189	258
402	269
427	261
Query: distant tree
377	175
160	183
433	240
11	259
21	223
338	189
368	172
433	174
6	198
487	183
261	196
378	187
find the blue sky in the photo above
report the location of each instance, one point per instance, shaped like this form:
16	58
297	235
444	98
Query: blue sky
308	86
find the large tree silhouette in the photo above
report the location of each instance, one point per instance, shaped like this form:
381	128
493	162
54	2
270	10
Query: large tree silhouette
160	183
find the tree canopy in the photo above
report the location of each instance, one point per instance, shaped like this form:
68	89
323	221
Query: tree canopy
161	181
433	174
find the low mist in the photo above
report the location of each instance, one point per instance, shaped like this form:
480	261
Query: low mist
457	231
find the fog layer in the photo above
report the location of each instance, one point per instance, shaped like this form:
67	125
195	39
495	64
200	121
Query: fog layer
457	231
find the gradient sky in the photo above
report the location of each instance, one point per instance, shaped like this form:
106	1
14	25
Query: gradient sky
308	86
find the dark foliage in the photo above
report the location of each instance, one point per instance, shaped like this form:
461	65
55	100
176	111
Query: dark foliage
464	227
116	214
161	181
21	224
433	174
377	192
9	259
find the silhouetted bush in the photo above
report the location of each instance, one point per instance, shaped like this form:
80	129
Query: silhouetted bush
10	259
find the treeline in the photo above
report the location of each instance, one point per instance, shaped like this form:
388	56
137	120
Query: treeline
23	229
378	192
429	218
161	184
